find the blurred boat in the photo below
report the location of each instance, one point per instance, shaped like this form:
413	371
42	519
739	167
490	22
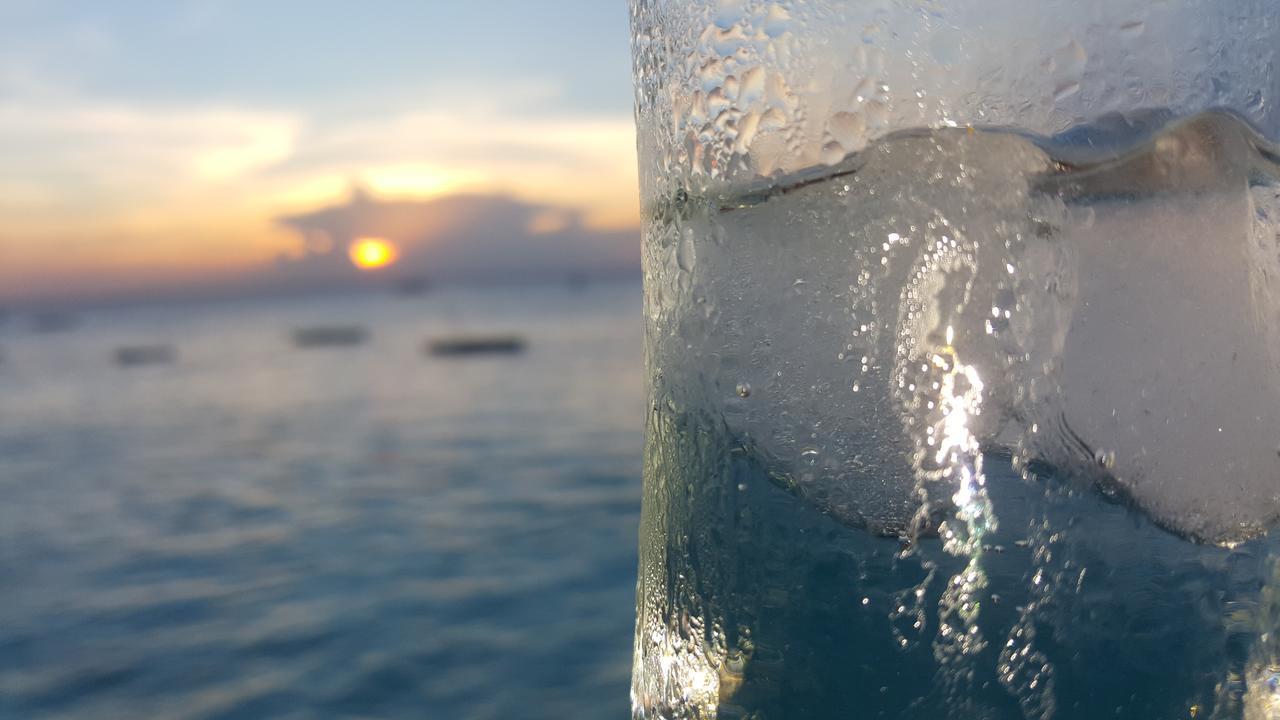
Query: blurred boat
476	345
134	355
412	285
52	321
329	336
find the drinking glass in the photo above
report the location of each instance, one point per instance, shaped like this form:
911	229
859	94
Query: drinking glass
963	356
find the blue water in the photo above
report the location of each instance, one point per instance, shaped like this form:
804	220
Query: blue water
262	531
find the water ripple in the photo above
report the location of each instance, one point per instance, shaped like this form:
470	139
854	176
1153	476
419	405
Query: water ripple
261	532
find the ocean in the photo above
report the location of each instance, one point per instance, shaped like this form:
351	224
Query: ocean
257	529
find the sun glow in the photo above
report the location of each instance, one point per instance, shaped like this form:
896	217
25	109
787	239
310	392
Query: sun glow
371	253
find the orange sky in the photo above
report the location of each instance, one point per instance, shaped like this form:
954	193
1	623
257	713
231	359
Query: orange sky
110	187
193	194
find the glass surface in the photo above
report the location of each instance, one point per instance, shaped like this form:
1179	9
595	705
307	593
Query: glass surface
963	351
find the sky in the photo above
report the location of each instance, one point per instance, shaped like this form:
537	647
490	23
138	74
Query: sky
156	147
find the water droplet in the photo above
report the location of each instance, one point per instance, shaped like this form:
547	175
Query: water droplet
731	86
1133	28
751	86
809	456
1065	90
849	129
777	22
773	119
1105	458
744	390
686	254
1072	58
747	128
1256	102
832	153
877	114
728	13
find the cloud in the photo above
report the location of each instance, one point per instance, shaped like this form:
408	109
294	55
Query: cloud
145	192
101	160
102	146
586	162
457	238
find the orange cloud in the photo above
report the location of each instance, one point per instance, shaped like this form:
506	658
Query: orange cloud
460	237
105	194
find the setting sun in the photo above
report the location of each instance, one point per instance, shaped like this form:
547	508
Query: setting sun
373	253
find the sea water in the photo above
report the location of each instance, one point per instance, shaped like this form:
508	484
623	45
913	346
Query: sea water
970	424
257	530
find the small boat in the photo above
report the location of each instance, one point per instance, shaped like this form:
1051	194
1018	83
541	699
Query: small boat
53	321
329	336
134	355
412	285
476	345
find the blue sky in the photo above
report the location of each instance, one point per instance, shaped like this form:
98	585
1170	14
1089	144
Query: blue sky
321	54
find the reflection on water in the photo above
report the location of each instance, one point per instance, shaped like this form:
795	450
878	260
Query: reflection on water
253	530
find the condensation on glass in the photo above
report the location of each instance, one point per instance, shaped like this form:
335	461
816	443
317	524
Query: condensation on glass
963	345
